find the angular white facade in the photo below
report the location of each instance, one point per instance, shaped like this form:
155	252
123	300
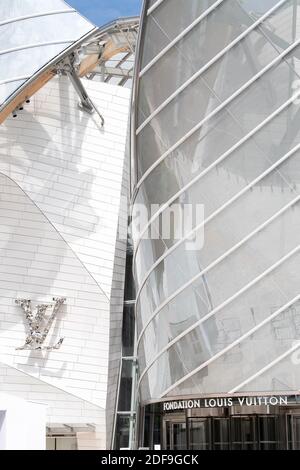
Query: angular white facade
61	178
220	130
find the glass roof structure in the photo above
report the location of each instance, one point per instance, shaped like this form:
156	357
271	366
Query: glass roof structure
32	33
41	39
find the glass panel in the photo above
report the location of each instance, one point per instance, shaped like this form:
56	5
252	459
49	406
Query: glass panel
201	149
66	443
129	291
221	433
179	436
199	437
122	432
294	432
60	27
35	31
223	232
126	386
211	35
167	22
50	443
268	432
243	433
222	180
189	306
283	375
243	359
209	90
7	89
128	330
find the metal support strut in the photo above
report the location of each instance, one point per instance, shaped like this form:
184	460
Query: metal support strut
85	104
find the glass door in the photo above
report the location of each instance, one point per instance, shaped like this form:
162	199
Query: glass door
293	423
174	435
220	433
268	429
199	434
243	433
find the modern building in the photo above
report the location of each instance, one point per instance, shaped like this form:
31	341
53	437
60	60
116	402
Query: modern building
216	123
63	215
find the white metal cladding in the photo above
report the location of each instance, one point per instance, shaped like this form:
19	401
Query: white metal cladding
221	130
33	32
60	205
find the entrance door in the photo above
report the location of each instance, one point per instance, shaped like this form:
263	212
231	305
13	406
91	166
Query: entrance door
221	433
174	435
243	433
293	422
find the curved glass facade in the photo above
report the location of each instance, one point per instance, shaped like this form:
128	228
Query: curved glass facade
219	129
33	32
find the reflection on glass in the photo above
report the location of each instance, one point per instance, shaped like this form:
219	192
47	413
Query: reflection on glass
176	435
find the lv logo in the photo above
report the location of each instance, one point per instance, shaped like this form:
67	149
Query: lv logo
39	323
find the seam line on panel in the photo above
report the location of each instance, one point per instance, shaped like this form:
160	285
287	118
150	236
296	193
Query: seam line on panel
254	131
179	37
36	15
221	306
219	108
217	261
232	345
267	367
217	212
42	380
208	65
32	46
60	235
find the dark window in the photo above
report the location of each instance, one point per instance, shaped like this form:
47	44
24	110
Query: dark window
128	330
125	386
129	292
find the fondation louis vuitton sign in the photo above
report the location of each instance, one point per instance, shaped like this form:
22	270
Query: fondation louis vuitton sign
226	402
